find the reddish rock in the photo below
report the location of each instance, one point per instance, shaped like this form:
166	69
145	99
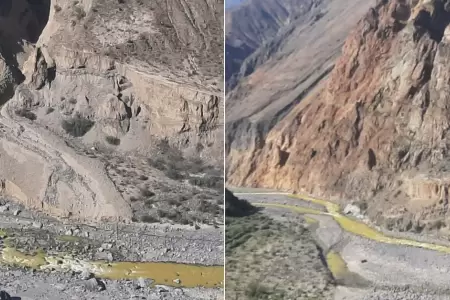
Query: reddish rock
378	130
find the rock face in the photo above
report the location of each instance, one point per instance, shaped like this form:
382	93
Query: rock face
284	69
158	62
141	71
377	130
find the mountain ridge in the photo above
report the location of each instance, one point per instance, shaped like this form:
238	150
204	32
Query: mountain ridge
375	133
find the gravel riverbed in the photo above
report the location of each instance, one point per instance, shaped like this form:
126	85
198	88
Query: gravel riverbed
393	272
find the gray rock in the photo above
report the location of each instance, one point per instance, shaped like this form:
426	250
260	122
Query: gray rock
4	208
144	282
106	246
177	281
38	225
161	289
60	287
17	212
110	256
85	274
351	209
94	284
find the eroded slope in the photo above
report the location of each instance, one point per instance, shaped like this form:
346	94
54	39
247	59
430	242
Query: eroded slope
92	89
377	131
283	71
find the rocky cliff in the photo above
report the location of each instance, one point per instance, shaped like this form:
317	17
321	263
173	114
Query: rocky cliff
284	69
113	77
376	132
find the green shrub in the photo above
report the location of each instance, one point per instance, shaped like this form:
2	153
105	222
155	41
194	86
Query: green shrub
79	12
77	126
174	202
215	182
256	291
157	163
113	140
149	219
25	113
174	174
147	193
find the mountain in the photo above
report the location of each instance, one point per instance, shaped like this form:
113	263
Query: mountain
133	80
376	132
284	69
254	23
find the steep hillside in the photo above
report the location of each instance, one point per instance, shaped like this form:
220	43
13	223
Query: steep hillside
377	131
88	86
253	23
283	71
111	144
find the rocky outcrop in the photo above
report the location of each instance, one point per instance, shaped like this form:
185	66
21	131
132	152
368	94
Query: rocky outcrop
132	72
377	131
283	71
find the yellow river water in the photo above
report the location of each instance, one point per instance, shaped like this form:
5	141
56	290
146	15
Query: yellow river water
336	264
353	226
171	274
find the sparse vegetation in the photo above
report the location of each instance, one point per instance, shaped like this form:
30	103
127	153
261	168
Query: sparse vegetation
25	113
79	12
149	219
185	204
113	140
143	177
215	182
174	174
262	255
256	291
147	193
176	167
77	126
